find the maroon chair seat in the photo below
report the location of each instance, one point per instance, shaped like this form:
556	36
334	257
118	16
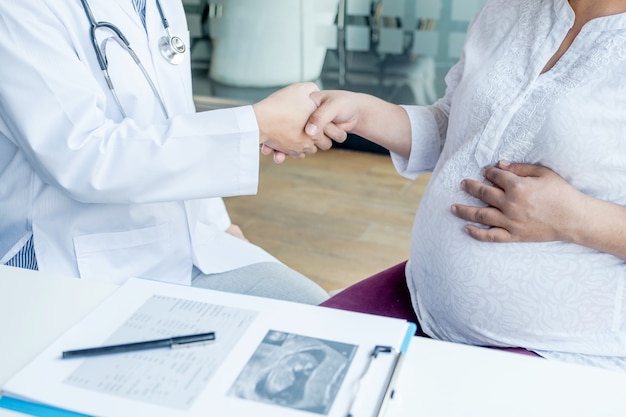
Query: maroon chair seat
383	294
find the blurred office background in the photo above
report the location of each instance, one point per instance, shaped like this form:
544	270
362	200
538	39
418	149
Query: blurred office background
396	49
344	214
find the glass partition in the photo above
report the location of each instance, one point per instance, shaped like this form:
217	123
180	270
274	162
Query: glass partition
398	50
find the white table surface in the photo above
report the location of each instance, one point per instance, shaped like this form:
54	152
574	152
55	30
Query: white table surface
35	309
437	379
442	379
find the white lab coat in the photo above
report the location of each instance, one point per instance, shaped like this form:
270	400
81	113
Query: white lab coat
106	197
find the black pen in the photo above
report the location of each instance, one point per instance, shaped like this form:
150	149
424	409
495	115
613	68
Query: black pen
170	342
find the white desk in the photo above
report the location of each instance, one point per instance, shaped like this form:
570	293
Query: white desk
35	309
437	379
442	379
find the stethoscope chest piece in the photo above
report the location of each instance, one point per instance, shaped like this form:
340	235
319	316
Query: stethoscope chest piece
173	49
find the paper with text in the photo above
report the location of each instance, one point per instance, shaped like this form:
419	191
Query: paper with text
172	378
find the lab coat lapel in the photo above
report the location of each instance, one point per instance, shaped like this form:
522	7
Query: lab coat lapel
173	81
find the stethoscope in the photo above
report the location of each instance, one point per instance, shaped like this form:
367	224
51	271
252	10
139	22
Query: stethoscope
172	48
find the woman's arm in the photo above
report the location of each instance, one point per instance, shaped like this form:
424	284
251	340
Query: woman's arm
379	121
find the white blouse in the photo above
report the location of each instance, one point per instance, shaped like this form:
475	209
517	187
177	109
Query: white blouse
561	300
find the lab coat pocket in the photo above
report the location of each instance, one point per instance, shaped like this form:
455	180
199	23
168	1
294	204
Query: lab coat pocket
115	257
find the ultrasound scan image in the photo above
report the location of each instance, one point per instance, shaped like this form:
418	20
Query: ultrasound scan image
294	371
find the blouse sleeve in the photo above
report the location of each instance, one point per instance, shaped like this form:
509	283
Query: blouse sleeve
429	125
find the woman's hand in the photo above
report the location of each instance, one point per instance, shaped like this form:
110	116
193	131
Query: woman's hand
339	112
526	203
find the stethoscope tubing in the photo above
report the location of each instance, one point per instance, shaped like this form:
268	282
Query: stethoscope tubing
175	49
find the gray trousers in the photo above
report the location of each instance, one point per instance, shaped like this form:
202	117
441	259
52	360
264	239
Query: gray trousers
266	279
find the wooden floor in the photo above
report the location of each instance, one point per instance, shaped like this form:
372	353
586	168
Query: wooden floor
338	216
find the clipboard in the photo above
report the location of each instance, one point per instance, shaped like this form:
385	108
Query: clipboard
384	364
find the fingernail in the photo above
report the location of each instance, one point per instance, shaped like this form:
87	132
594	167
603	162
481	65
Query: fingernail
310	129
454	210
504	163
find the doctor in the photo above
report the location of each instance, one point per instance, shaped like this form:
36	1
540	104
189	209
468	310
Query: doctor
106	170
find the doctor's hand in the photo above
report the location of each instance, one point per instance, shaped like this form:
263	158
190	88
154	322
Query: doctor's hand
526	203
236	231
279	157
281	118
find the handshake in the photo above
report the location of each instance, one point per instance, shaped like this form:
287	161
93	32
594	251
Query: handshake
298	120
